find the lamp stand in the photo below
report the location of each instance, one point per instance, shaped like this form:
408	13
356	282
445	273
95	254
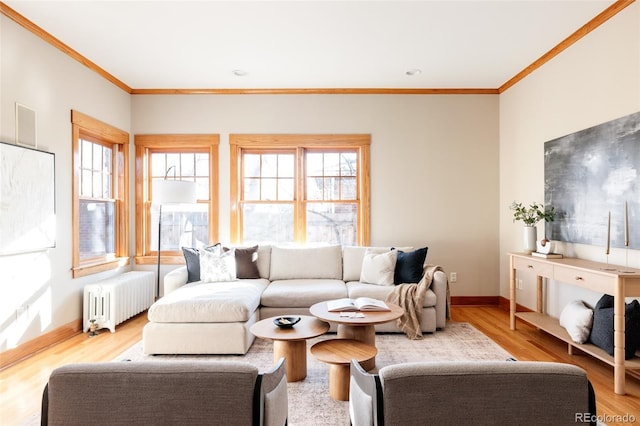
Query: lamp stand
159	235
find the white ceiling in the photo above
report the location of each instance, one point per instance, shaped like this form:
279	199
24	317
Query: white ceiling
311	44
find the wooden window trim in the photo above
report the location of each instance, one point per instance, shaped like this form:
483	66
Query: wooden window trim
320	142
99	132
209	143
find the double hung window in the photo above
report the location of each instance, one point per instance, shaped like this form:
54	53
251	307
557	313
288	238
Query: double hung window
100	201
182	157
300	188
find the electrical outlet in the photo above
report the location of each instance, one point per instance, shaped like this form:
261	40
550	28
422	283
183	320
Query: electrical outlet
453	277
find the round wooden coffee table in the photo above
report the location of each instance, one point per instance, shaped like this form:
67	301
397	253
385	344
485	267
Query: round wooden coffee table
338	353
362	329
291	343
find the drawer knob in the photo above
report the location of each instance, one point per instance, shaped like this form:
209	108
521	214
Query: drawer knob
530	266
579	278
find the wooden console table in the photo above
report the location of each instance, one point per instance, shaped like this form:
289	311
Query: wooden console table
618	281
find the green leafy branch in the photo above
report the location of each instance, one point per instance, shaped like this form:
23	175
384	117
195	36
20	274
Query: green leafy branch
533	214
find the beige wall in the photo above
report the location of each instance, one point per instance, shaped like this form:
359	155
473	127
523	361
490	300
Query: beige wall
35	74
594	81
434	163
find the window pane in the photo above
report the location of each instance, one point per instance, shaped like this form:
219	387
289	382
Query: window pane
251	165
314	188
333	223
285	165
97	228
252	189
106	186
97	157
97	185
86	183
268	189
314	164
202	164
332	164
183	225
264	223
158	165
331	189
172	160
187	165
86	154
106	157
269	165
202	188
348	189
348	164
285	189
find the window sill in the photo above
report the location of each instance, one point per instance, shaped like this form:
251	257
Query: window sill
166	259
94	268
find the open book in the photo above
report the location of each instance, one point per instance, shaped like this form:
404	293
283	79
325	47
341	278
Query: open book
359	304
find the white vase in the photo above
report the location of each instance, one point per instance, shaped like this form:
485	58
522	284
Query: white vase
530	238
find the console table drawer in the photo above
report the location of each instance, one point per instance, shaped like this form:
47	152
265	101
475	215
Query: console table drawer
582	278
540	268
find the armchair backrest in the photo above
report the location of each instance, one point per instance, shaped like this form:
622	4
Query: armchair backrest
479	393
158	392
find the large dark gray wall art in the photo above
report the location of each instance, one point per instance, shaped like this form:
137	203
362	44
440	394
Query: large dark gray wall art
591	173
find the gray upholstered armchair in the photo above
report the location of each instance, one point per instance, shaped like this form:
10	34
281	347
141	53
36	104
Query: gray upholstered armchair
166	393
478	393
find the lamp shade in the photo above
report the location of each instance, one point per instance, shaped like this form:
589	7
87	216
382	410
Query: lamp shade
167	191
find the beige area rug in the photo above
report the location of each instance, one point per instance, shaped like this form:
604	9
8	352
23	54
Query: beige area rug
309	400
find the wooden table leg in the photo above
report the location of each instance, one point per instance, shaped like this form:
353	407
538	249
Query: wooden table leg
618	340
512	294
363	333
295	354
339	376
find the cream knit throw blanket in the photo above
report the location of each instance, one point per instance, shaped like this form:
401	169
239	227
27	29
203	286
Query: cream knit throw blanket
410	297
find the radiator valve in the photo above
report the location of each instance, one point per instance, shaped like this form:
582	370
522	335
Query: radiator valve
92	328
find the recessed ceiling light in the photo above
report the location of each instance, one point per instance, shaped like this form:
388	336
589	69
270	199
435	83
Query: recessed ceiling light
413	72
239	73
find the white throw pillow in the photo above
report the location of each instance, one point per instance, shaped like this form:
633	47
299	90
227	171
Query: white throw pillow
577	319
217	266
378	268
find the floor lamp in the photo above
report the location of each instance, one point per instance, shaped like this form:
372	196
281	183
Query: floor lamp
170	191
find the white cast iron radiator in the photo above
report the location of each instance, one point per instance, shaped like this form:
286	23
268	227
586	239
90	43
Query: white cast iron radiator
114	300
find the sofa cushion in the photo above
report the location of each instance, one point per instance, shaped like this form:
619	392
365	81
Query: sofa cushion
307	262
192	260
352	259
410	266
378	268
216	267
577	319
246	262
302	293
209	302
359	289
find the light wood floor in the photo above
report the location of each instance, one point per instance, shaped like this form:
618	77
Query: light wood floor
21	385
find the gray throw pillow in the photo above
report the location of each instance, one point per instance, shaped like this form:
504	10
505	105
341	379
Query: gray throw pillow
602	330
192	259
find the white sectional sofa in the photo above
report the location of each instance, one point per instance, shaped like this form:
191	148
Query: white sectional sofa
214	317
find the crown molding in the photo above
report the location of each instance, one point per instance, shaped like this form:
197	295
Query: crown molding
36	30
318	91
601	18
